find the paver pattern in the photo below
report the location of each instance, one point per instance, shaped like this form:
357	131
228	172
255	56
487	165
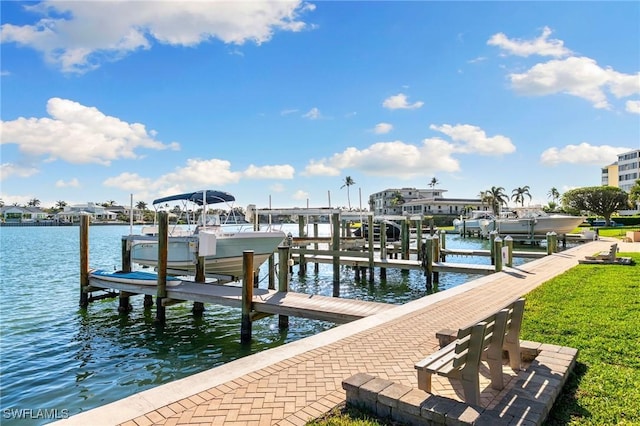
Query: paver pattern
297	384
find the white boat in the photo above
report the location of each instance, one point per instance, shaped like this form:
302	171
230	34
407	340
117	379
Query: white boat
531	223
222	246
471	223
133	277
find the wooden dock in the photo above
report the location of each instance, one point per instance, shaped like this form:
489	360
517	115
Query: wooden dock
264	301
405	264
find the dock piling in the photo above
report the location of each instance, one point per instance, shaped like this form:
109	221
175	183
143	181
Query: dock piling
283	280
247	296
163	244
84	261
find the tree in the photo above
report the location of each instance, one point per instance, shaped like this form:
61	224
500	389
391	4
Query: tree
484	198
60	204
434	182
397	199
601	200
34	202
554	195
496	198
348	182
634	193
141	205
519	193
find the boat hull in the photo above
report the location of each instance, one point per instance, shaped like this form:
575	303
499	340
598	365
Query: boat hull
133	277
183	252
532	226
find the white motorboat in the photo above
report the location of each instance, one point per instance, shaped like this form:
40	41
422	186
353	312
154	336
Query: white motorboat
531	223
471	223
222	246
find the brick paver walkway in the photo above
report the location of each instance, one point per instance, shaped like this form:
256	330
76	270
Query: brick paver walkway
302	380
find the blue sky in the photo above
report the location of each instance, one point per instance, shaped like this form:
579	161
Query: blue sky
281	101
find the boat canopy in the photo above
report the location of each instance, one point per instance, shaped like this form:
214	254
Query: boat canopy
212	197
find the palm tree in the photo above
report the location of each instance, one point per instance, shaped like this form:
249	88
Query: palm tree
34	202
434	182
61	204
497	198
141	205
397	199
348	182
484	198
519	193
553	194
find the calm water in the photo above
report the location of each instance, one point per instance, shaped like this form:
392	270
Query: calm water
57	359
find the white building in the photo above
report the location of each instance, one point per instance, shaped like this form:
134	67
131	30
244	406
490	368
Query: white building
628	169
426	202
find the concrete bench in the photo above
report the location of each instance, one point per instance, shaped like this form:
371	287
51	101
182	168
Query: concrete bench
486	339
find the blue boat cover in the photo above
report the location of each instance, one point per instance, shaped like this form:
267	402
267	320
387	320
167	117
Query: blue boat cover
213	197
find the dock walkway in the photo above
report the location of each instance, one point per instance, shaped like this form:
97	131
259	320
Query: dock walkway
326	308
302	380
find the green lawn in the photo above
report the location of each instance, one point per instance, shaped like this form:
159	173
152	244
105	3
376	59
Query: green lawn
595	308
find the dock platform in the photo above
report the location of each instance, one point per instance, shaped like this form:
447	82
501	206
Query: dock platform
265	301
299	381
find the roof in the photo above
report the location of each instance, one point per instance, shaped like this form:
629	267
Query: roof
212	197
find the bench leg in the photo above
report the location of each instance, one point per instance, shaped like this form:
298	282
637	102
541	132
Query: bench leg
495	371
471	388
424	380
515	355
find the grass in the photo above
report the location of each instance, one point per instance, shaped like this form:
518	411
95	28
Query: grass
596	309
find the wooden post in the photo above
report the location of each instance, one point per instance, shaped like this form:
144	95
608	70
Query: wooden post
163	244
552	242
419	237
492	238
427	261
126	254
443	244
123	300
498	253
283	280
272	275
316	266
432	227
84	260
404	239
435	256
302	264
509	242
383	248
198	307
335	247
247	296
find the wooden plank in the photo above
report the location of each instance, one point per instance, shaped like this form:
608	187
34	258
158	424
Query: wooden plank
264	301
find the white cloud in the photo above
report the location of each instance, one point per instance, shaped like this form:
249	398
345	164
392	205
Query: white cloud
288	111
277	187
382	128
313	114
583	153
9	169
633	107
72	183
319	168
130	182
581	77
399	101
269	172
79	135
78	35
300	195
404	160
542	45
473	140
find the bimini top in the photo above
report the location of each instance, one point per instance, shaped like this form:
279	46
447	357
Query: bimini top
213	197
